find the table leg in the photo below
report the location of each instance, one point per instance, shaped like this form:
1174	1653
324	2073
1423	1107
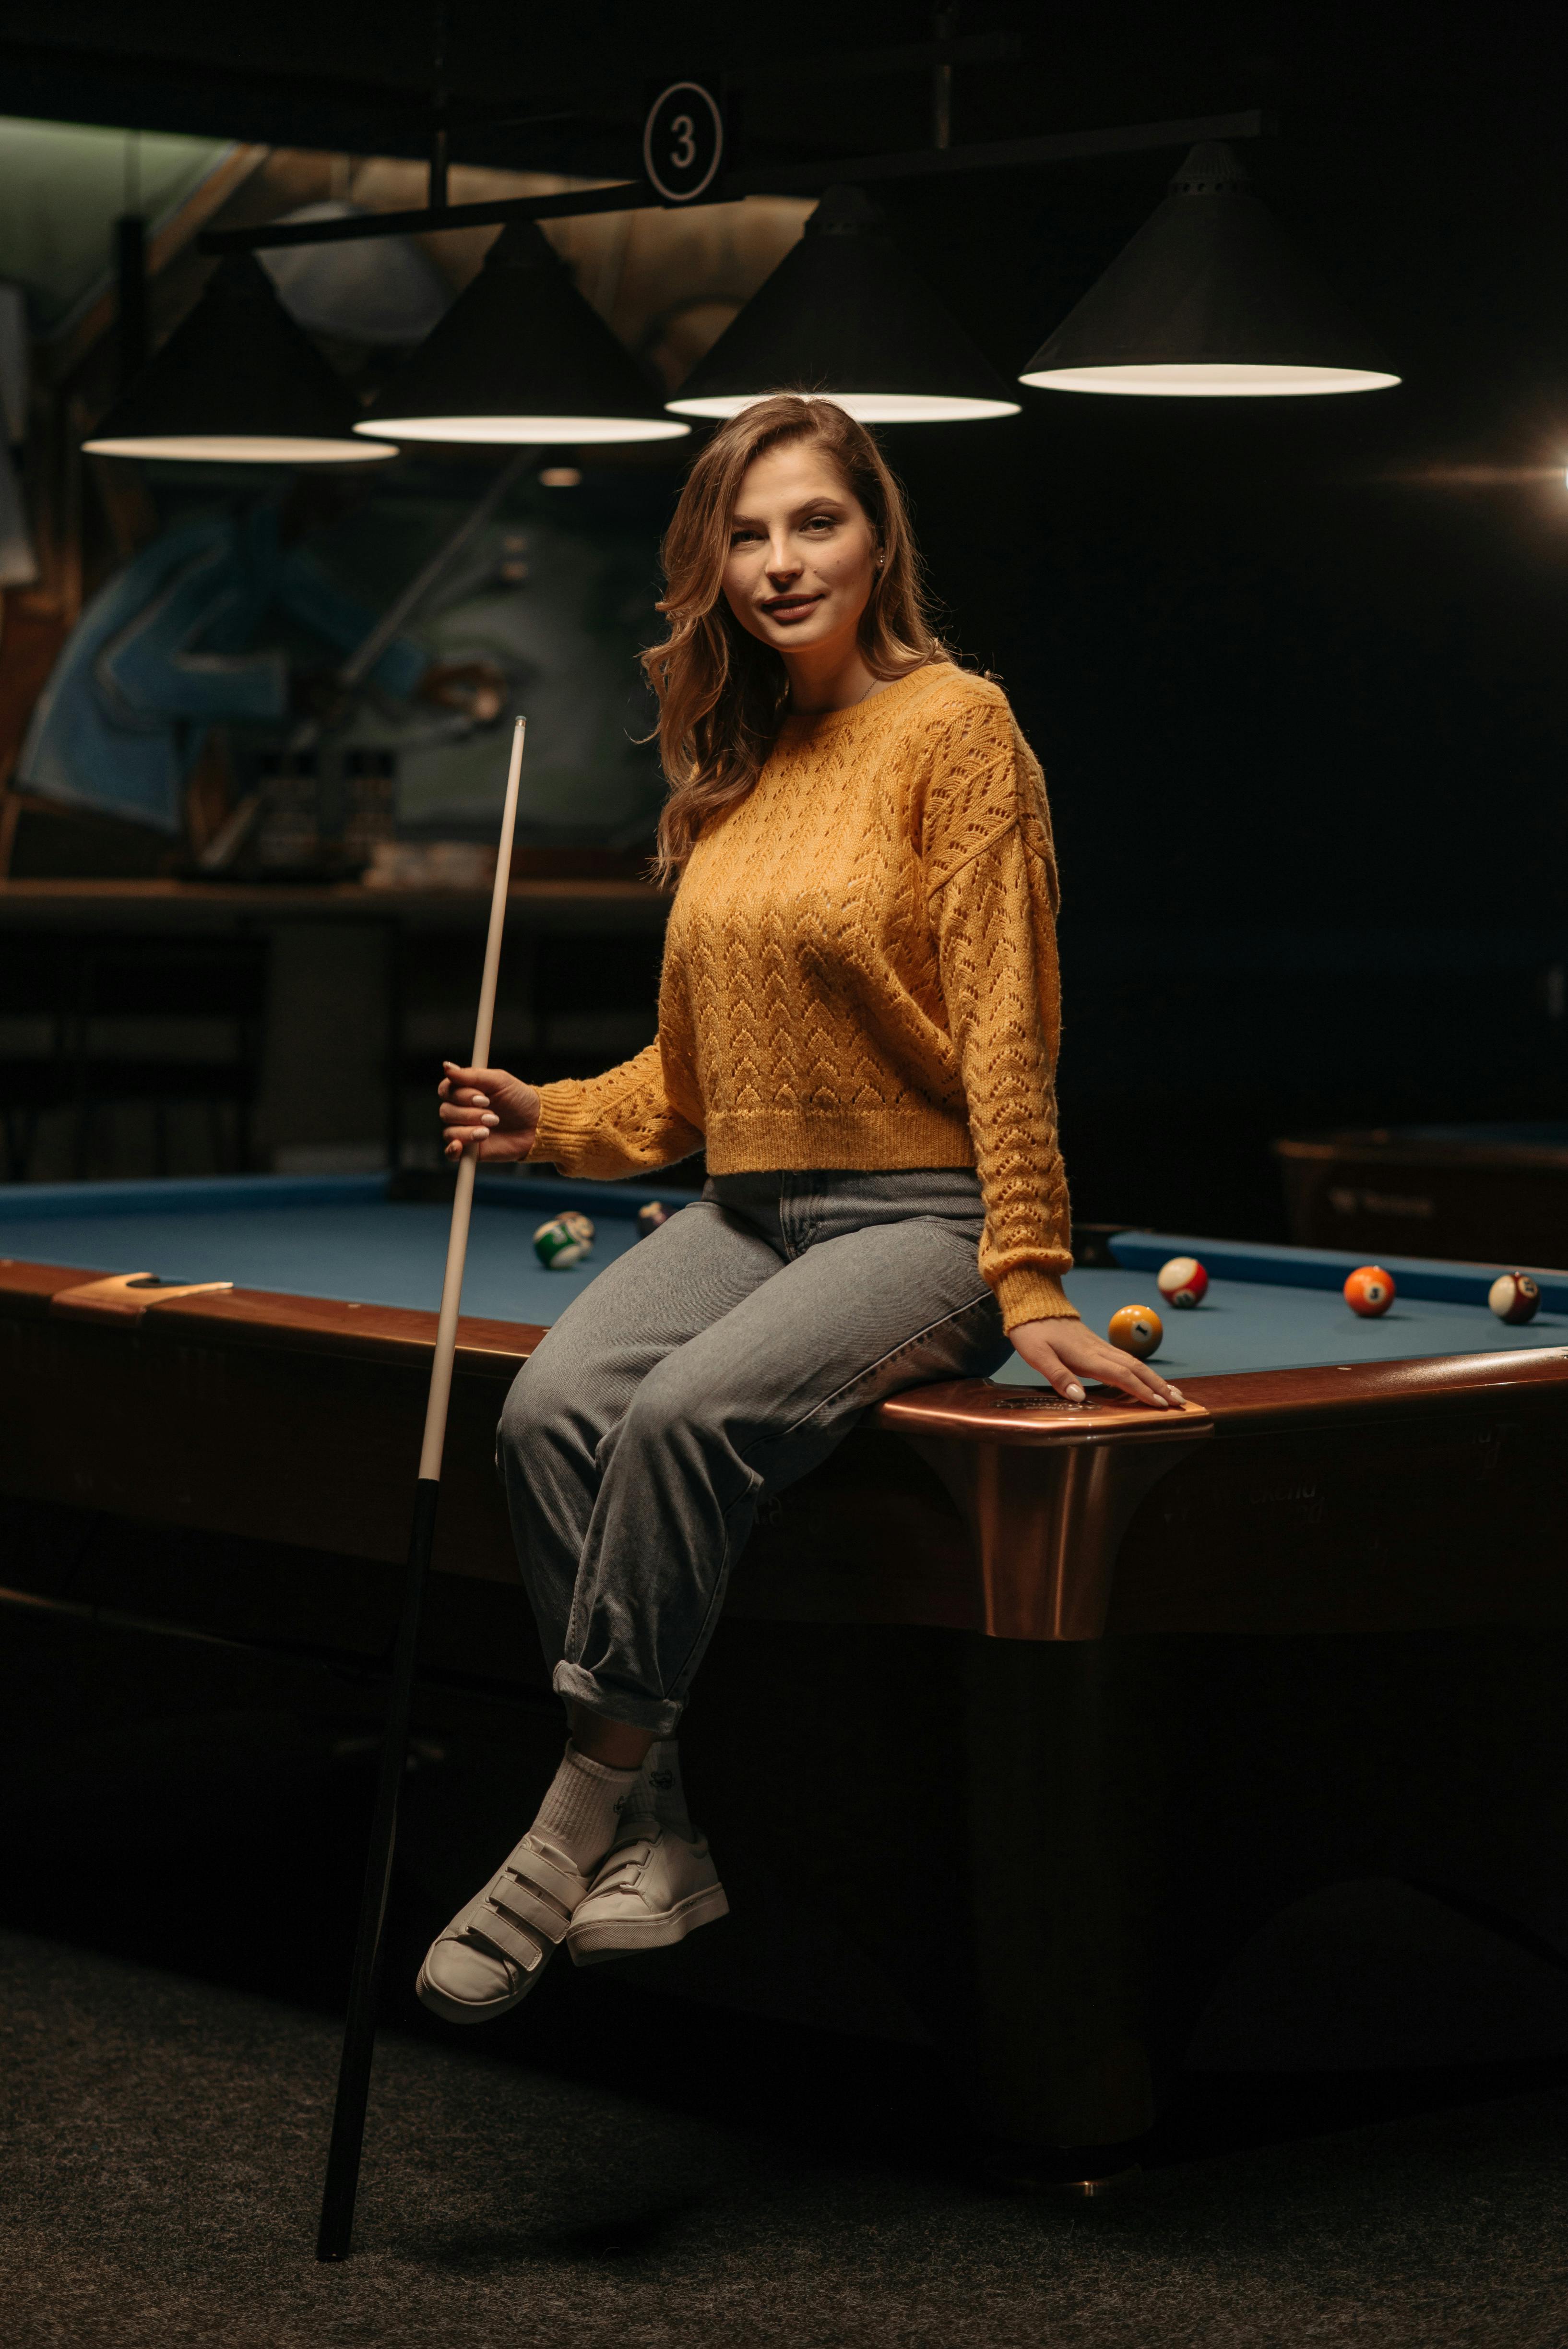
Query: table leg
1057	1835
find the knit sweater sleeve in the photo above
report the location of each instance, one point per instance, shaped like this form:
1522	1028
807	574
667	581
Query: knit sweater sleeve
622	1123
992	891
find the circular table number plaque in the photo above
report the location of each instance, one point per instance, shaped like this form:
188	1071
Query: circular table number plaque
683	142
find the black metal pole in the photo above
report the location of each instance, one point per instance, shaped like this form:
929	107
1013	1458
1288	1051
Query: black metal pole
440	135
130	281
359	2032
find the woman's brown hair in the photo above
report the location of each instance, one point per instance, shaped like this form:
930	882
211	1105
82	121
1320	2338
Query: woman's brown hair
722	693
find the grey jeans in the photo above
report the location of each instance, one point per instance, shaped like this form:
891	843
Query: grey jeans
706	1369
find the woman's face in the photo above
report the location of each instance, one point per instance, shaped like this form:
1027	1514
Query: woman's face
802	553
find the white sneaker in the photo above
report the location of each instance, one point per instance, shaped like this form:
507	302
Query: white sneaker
647	1894
494	1950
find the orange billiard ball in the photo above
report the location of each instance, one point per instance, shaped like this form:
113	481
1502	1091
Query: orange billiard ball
1369	1291
1183	1280
1136	1330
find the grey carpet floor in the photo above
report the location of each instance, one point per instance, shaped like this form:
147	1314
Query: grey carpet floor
163	2143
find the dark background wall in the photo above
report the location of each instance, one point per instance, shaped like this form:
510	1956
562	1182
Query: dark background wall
1294	667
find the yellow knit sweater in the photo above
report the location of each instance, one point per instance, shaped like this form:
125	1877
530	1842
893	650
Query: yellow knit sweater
861	971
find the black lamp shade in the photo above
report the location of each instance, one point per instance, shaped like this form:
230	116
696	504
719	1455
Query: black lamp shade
238	382
520	357
1209	300
844	316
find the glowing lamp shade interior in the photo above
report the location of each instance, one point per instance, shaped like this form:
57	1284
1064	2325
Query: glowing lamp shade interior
1209	301
238	382
845	317
866	407
543	431
1210	379
521	357
243	449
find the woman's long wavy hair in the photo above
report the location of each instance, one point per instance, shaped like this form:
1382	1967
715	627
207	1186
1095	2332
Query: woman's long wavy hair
722	693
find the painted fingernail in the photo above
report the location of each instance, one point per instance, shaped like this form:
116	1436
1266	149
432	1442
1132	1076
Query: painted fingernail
489	1118
481	1101
1075	1394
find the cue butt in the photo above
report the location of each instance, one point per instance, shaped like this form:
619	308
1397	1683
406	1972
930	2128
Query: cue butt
342	2185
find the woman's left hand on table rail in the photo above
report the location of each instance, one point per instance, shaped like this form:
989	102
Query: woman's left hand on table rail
1066	1352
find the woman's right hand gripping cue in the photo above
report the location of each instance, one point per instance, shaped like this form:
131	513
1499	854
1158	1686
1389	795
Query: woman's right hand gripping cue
490	1107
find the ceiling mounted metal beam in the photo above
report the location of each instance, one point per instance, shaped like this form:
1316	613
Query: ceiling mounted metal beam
779	179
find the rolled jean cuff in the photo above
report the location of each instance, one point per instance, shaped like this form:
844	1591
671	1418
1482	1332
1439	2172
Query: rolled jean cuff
660	1716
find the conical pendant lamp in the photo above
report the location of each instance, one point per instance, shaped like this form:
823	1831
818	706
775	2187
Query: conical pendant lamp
238	382
1208	301
520	357
846	316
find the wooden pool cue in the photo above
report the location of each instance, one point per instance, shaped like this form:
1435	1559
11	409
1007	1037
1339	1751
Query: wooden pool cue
359	2031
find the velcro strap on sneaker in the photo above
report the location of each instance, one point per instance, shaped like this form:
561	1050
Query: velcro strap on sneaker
627	1861
489	1923
547	1871
535	1903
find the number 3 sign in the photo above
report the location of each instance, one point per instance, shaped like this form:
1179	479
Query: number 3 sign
683	142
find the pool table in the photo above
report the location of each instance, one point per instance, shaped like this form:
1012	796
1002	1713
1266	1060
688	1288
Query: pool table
1155	1675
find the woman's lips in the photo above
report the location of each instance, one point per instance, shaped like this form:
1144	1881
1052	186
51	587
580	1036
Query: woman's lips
790	607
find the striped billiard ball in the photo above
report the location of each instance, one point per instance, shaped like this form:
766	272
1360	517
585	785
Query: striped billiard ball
1183	1280
564	1241
1514	1297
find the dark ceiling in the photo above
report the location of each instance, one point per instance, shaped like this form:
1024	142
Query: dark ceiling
357	77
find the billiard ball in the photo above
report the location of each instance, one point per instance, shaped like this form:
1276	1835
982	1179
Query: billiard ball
564	1241
1136	1330
1183	1281
650	1217
1514	1297
1369	1291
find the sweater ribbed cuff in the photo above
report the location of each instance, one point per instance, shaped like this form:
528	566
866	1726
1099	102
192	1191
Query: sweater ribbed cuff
565	1128
1029	1295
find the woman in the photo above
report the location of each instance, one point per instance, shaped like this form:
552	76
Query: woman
858	1017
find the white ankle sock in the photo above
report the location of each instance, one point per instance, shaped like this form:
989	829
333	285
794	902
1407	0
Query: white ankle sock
660	1797
581	1813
